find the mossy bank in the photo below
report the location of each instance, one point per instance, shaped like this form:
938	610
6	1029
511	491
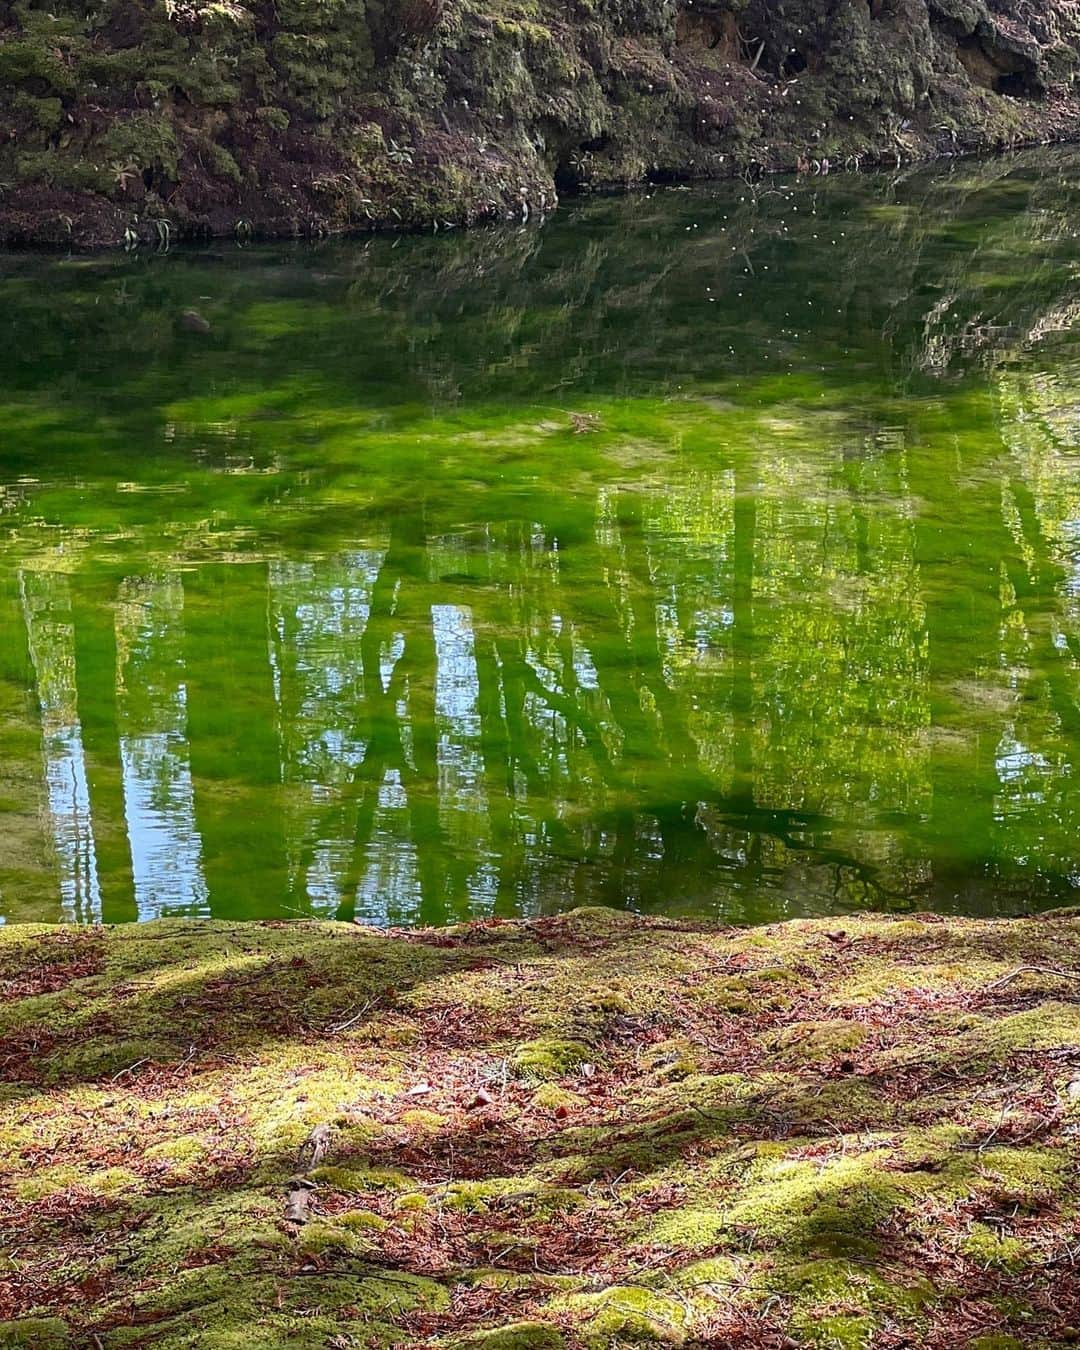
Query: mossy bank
164	119
583	1131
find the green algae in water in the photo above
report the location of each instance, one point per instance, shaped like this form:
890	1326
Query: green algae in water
711	552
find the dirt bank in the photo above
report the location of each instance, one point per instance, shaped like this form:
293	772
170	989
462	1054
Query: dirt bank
171	119
585	1131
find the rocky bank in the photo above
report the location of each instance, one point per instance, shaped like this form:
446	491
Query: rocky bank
167	119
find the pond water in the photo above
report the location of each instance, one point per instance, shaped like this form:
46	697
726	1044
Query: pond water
706	552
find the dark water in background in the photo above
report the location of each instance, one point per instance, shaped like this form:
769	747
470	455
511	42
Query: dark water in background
339	609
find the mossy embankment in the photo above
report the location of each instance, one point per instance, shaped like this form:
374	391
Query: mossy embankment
584	1131
181	118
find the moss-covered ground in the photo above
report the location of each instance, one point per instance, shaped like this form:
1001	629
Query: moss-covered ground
590	1130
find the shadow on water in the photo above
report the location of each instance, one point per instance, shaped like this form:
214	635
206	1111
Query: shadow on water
712	552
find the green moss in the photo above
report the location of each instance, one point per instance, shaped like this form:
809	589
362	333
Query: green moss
111	1181
48	1181
360	1180
1049	1026
671	1059
812	1206
514	1336
145	140
882	980
186	1153
175	1230
827	1280
611	1000
1024	1176
816	1042
836	1331
772	988
423	1122
715	1272
990	1248
221	162
552	1097
45	114
211	1306
57	1180
819	1289
275	118
340	1235
472	1197
547	1059
34	1333
33	58
626	1314
691	1228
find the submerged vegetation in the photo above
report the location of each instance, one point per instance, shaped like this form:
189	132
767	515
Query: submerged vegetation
332	611
125	122
586	1131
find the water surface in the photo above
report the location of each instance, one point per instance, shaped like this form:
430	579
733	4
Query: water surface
704	552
